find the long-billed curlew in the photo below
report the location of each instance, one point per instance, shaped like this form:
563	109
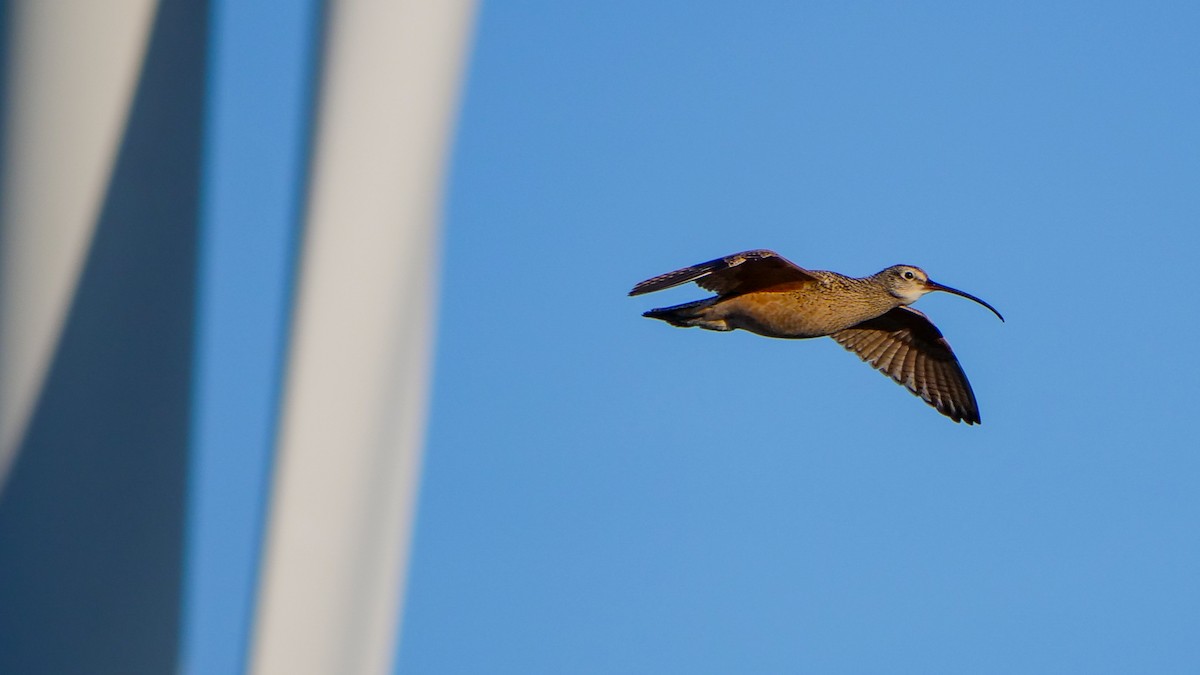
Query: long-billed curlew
765	293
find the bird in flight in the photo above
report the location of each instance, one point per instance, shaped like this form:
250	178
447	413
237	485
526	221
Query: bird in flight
765	293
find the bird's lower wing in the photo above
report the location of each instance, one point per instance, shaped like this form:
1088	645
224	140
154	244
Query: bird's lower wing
905	345
737	273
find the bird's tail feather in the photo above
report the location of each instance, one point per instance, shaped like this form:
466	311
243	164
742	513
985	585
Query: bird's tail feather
687	314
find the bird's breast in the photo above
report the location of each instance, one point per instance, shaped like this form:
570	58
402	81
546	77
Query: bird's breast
798	313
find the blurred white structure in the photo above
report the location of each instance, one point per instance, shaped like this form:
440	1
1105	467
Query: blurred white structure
101	164
65	116
354	404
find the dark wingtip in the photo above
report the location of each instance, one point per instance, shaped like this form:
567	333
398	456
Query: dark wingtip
965	419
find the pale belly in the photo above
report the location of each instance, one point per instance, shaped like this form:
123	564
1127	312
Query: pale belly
794	315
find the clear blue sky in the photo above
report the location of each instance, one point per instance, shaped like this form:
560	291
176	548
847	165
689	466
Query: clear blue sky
607	494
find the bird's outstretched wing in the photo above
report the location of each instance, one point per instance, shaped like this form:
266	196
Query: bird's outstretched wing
905	345
738	273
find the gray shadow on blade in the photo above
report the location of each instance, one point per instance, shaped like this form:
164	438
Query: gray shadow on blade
92	516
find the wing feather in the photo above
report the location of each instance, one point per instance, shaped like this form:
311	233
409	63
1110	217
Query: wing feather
734	274
905	345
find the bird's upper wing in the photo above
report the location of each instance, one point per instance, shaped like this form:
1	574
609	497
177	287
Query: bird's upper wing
905	345
737	273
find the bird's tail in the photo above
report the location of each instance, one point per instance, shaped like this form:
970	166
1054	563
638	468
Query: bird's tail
685	315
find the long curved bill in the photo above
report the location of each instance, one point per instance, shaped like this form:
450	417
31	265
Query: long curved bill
935	286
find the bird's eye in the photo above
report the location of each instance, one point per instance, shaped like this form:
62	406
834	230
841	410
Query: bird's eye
908	275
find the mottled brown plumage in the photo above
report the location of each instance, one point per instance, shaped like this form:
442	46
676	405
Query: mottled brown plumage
763	292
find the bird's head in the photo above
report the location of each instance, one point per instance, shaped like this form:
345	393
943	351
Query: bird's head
908	283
